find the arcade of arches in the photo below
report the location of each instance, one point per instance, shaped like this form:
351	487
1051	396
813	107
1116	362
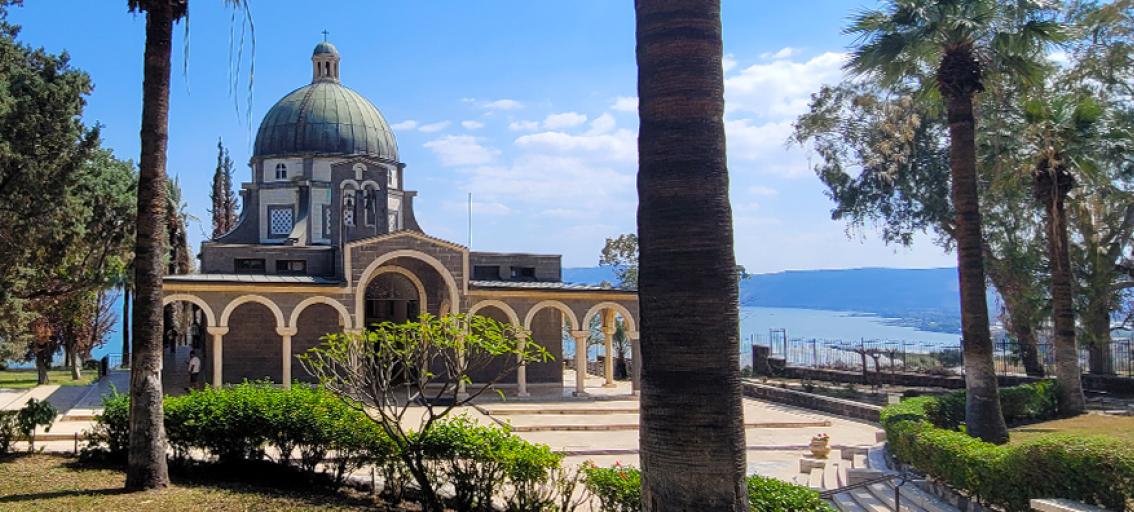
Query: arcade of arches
252	327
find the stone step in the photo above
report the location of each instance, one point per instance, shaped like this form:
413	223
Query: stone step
604	427
815	480
869	501
831	475
596	411
930	503
845	503
884	493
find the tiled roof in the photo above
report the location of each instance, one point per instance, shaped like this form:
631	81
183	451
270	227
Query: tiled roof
251	278
545	285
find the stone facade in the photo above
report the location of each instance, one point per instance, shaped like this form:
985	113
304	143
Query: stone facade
328	242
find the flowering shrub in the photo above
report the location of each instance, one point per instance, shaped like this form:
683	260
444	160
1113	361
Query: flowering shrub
618	488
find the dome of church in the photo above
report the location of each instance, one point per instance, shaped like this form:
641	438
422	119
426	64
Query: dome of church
325	118
325	47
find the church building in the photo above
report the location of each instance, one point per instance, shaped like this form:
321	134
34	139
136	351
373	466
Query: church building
327	241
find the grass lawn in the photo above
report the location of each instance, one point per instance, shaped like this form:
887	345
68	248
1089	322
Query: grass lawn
54	482
1120	427
26	378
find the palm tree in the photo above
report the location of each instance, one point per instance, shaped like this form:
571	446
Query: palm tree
955	41
692	434
146	462
1061	128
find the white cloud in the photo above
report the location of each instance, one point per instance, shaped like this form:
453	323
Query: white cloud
762	191
472	125
728	62
564	120
783	53
408	124
434	127
523	126
492	208
602	124
761	148
782	88
462	150
502	104
625	104
620	146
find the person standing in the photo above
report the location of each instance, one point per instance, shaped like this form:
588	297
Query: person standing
194	370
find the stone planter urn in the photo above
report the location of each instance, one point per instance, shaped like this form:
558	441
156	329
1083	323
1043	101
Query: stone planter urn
820	446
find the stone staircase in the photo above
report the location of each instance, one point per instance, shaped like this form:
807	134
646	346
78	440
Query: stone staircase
857	479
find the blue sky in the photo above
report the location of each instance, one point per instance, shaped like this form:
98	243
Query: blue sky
528	105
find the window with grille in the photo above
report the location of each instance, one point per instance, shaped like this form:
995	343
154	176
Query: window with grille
328	219
280	220
292	267
249	265
281	172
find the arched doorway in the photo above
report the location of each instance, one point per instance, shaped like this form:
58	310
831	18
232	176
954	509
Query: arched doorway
392	297
252	347
313	322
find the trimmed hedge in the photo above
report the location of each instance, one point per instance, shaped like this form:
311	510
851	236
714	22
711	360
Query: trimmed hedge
314	431
1093	470
618	489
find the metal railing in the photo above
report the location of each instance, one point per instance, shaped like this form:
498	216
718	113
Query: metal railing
932	358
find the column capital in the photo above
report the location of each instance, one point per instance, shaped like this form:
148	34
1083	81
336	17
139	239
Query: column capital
633	335
217	330
286	331
580	334
609	330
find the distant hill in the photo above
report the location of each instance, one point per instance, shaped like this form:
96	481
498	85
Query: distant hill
927	298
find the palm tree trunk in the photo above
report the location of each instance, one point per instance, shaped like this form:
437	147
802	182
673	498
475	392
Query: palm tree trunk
1067	370
1022	329
1097	323
125	326
147	465
983	416
692	434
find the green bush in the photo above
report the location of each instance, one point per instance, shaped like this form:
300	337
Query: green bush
238	423
921	431
8	431
618	489
1019	404
771	495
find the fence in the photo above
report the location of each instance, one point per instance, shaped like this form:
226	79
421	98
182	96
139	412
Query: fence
929	358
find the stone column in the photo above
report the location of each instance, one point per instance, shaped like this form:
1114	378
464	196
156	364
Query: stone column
580	361
636	357
522	370
608	339
462	391
218	333
285	335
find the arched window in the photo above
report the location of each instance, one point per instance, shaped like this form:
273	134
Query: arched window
368	206
348	207
281	171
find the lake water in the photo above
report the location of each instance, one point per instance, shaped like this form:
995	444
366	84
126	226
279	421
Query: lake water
754	322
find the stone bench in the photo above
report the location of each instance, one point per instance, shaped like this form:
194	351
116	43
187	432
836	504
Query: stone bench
1062	505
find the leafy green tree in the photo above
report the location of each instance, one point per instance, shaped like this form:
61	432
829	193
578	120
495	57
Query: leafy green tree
692	425
65	203
621	254
957	40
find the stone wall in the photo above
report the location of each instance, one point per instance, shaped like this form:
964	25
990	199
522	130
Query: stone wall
814	402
